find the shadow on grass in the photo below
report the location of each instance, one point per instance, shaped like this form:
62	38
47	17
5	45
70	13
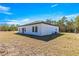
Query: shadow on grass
44	38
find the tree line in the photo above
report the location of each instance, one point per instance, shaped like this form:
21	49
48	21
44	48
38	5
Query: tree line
65	25
7	27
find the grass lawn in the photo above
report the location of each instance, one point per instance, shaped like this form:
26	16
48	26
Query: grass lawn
15	44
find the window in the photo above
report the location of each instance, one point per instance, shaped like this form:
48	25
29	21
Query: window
34	29
24	29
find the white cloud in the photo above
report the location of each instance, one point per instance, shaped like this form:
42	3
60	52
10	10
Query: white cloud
69	17
21	22
27	20
54	5
8	13
5	10
72	15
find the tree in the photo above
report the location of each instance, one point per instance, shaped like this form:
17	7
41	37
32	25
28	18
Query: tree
4	27
77	24
61	24
13	27
53	22
70	26
7	27
49	21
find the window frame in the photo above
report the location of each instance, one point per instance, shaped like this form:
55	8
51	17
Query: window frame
34	29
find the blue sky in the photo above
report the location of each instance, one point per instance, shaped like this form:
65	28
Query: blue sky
22	13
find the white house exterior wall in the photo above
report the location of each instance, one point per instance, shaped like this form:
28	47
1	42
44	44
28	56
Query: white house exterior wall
29	29
43	29
48	29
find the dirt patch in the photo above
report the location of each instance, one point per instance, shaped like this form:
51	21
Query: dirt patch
12	44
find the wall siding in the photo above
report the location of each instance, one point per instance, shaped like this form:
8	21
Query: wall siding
48	29
29	29
43	29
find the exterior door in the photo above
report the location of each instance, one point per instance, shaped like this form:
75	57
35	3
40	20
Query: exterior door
22	30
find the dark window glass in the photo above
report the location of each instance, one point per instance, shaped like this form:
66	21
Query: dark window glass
36	29
33	29
24	29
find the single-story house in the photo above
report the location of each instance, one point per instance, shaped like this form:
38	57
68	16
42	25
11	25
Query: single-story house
38	28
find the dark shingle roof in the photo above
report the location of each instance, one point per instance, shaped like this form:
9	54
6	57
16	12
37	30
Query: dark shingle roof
36	23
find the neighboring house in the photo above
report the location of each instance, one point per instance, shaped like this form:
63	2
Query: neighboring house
38	28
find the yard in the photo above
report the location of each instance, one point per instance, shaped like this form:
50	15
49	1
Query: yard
25	45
